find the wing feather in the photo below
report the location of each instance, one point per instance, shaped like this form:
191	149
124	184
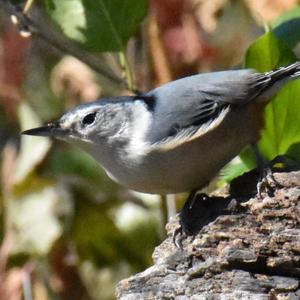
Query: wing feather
189	107
189	134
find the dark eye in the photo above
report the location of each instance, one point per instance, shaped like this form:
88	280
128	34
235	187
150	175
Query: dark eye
89	119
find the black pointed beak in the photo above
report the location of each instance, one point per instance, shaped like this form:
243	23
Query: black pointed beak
52	129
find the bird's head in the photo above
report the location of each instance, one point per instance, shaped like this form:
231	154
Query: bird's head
89	124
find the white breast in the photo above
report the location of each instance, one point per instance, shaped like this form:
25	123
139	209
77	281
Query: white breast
141	122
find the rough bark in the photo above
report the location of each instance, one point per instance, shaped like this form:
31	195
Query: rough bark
250	253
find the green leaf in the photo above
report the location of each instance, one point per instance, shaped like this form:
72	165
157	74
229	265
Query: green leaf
71	160
287	26
100	238
232	170
287	16
268	53
139	224
99	25
294	152
282	128
95	235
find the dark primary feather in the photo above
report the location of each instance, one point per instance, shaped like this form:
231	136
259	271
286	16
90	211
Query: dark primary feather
292	70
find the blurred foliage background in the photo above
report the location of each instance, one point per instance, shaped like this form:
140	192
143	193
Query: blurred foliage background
68	232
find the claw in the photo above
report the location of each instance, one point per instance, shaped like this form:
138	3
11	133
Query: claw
198	211
267	180
188	219
178	241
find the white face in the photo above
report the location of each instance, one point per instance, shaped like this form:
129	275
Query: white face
78	122
94	123
105	129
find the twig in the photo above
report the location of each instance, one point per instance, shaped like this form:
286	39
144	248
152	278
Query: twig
29	26
128	75
27	6
27	287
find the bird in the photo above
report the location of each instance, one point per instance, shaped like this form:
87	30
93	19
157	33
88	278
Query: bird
178	136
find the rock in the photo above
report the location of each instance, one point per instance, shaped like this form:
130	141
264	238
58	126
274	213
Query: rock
251	253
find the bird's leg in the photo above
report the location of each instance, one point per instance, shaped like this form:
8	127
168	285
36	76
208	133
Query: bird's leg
182	231
177	237
196	212
266	178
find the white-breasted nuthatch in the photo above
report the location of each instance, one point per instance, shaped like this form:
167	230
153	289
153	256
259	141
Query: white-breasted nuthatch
176	137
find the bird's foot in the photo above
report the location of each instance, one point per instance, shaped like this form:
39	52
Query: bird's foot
189	218
178	236
267	182
198	211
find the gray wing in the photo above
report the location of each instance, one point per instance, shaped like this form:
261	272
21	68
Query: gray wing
181	107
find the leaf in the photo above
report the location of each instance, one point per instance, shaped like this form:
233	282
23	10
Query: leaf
99	239
138	224
282	129
33	149
281	126
99	25
294	152
95	235
232	170
286	27
34	221
268	53
70	161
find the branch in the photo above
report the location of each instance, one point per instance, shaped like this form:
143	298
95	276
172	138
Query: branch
250	252
38	26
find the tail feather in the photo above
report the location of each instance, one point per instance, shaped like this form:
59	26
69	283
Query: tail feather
291	71
274	80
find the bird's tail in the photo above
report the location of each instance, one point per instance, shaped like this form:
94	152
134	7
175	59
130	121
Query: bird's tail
291	71
276	79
